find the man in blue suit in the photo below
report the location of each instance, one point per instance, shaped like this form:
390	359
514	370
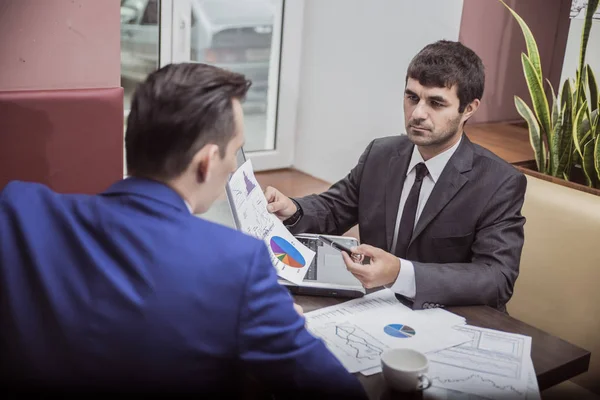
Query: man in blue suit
128	291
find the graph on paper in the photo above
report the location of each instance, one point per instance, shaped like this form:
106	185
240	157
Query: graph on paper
399	331
290	258
355	348
492	364
286	252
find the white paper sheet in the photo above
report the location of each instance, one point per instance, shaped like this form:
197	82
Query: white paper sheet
493	364
290	257
355	348
373	301
340	312
358	331
405	328
533	390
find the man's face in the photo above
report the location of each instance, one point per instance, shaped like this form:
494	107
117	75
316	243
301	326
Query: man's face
431	115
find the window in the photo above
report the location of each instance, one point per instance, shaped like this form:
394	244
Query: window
240	35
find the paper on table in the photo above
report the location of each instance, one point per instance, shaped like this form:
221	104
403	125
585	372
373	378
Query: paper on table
342	311
405	328
533	390
358	331
290	257
493	364
355	348
373	301
437	393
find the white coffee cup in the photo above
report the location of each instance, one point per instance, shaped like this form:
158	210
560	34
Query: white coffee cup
404	370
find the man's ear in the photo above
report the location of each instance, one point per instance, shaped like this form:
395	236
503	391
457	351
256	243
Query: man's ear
471	108
203	162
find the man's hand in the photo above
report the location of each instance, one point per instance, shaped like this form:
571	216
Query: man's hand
383	269
279	204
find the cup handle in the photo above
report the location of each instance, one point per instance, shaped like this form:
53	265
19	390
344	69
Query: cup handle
424	382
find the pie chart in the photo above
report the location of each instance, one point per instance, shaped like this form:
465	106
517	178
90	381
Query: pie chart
286	252
399	331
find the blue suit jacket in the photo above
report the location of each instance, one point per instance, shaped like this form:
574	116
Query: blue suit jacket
127	290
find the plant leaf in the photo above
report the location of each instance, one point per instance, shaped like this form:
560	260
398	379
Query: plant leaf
597	157
594	121
591	8
580	94
565	135
585	36
532	49
593	85
539	100
578	132
556	151
564	138
588	163
555	108
534	133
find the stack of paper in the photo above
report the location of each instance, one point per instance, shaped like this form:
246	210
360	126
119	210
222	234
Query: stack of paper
465	362
358	331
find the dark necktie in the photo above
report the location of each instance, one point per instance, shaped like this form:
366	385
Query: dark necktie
407	223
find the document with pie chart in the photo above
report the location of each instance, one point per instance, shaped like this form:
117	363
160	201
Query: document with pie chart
290	257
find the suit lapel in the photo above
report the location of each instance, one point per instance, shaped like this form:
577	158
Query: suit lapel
448	185
396	174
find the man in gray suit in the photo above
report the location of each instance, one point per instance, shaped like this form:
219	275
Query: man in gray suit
439	216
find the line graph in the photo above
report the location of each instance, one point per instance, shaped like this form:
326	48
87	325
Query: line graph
480	379
477	363
355	348
359	346
493	364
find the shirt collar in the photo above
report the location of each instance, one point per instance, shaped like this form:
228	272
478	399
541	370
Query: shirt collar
435	165
189	207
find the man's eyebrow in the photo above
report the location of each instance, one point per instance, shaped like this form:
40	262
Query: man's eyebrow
439	99
408	91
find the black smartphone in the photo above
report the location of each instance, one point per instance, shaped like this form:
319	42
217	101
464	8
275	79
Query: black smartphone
336	245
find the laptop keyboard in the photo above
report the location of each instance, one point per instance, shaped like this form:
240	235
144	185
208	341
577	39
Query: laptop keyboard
313	244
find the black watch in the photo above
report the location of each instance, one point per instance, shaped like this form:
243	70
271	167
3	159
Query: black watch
296	216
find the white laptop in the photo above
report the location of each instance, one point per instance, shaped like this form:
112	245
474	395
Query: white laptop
327	275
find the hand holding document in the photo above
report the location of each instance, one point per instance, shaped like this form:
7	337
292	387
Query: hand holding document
290	257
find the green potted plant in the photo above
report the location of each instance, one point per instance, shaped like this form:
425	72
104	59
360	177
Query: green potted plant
565	132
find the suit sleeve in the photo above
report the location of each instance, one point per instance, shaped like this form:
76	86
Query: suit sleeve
276	347
335	211
490	277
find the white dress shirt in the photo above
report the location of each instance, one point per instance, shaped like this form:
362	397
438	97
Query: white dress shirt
405	283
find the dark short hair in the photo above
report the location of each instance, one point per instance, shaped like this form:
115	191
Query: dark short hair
446	63
175	112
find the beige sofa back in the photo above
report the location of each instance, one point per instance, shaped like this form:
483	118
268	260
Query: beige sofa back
558	288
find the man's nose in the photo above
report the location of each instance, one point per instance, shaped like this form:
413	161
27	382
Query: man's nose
419	113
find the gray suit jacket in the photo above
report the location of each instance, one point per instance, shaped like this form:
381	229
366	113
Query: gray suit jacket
467	243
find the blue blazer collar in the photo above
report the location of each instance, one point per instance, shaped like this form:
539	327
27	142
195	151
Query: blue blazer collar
147	188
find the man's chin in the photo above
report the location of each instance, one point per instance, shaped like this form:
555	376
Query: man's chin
418	138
